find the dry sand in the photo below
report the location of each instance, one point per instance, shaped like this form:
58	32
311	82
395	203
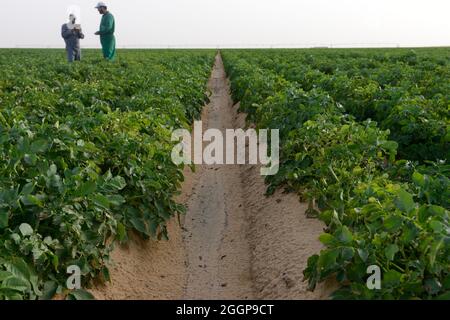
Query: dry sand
235	243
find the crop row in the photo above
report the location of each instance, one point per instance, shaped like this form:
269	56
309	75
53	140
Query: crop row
85	158
379	207
406	92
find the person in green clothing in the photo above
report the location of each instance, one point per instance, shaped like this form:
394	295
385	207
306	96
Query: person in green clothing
106	32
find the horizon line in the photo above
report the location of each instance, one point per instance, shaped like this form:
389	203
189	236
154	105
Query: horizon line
249	46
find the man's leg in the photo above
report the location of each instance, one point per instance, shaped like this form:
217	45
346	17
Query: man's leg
108	48
78	54
112	54
104	48
70	55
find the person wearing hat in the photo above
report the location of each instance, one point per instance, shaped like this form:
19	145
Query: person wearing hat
72	34
106	32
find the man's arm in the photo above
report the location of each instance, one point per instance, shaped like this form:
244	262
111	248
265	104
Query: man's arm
66	32
107	24
80	34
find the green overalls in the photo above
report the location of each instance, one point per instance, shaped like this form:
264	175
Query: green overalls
107	39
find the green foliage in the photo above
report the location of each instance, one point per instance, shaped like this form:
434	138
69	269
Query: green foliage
85	158
380	207
410	99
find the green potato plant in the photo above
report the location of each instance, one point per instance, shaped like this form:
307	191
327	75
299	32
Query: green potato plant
85	159
364	139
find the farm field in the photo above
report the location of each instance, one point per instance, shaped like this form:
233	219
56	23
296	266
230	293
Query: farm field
365	140
85	160
85	157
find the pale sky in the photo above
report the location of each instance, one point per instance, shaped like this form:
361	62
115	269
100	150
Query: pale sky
234	23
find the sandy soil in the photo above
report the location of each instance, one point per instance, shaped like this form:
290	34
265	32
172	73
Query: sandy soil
218	252
146	270
235	242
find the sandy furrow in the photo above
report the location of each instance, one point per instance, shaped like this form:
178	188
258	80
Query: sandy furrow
234	243
218	253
